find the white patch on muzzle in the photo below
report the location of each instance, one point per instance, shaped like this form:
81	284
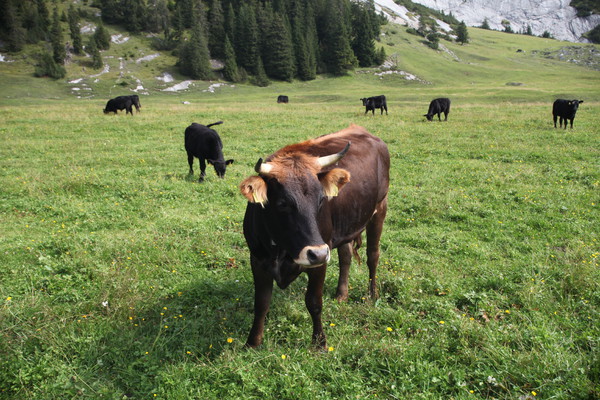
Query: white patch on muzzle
313	256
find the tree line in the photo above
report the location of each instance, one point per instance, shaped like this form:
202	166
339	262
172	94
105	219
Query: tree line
255	39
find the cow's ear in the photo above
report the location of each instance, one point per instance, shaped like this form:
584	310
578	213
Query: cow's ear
229	162
254	189
333	181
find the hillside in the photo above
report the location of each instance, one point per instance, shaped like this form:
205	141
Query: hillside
491	59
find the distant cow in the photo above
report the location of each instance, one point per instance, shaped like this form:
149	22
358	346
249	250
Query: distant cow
371	103
123	103
565	109
307	199
438	106
205	144
282	99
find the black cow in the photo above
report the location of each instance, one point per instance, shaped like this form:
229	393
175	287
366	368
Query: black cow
205	144
371	103
282	99
308	199
123	103
566	110
438	106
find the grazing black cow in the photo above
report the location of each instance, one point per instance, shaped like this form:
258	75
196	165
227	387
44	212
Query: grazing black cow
565	109
205	144
307	199
123	103
371	103
438	106
282	99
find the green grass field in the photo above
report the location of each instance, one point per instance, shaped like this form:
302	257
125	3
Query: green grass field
123	277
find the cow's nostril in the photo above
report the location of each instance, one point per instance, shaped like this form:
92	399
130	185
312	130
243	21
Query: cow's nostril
312	257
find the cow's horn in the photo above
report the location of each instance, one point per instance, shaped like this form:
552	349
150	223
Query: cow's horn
333	158
262	168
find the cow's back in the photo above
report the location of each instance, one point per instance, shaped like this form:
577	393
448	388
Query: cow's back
202	141
368	161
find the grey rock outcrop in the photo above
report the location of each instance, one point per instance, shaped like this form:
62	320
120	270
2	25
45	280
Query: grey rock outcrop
553	16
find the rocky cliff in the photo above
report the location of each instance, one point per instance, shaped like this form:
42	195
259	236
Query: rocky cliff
553	16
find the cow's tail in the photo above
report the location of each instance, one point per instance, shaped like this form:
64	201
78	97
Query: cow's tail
355	246
214	123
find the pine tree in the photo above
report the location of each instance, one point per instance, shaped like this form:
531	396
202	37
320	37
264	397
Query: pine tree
260	78
75	31
312	43
363	43
278	56
216	37
230	71
58	45
94	52
194	59
229	23
102	37
304	69
246	38
43	15
12	31
157	17
380	56
485	24
31	22
337	54
134	15
111	11
462	35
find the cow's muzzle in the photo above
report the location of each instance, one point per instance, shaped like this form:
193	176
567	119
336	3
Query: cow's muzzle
313	256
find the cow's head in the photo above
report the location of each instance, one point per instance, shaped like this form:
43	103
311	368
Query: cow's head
292	189
574	104
364	101
220	166
428	116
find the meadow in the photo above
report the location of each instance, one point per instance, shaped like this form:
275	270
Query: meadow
123	277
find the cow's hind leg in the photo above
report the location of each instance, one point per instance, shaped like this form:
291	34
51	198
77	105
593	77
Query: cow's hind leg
345	258
555	117
314	303
263	289
374	228
191	162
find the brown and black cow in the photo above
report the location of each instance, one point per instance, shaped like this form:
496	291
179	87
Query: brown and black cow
307	199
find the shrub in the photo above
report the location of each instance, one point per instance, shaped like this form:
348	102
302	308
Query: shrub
48	67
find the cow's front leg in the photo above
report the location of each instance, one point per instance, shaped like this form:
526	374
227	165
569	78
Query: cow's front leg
314	303
345	258
202	170
263	289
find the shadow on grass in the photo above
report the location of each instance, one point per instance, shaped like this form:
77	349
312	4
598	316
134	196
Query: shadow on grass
193	325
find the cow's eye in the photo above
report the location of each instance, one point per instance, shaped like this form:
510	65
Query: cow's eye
283	205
